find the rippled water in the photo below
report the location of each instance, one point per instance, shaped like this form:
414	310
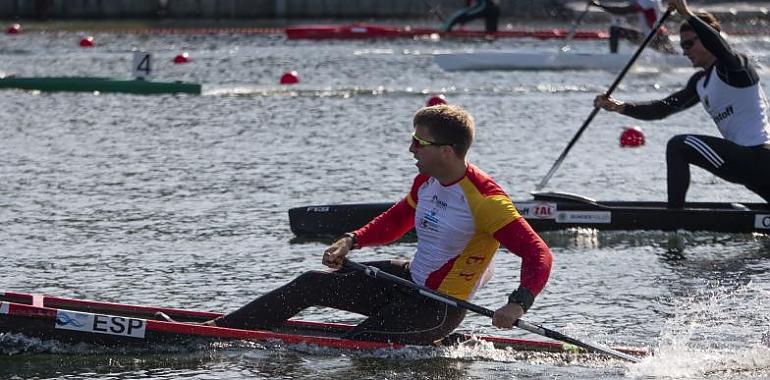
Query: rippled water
181	201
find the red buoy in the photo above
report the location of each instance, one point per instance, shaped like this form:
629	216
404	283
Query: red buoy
13	29
436	100
87	42
182	58
632	137
290	78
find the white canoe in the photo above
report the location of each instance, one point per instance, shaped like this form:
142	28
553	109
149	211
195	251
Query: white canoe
517	60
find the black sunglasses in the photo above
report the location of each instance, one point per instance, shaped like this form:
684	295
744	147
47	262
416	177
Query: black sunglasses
687	44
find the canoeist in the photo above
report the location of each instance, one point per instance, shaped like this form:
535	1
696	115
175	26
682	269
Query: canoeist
461	217
728	88
489	9
647	12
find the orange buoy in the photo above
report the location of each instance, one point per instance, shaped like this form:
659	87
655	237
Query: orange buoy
87	41
13	29
631	137
436	100
182	58
290	77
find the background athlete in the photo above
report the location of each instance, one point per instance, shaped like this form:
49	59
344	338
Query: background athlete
728	88
647	13
460	215
488	9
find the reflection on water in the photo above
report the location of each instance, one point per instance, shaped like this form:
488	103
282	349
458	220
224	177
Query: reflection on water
674	243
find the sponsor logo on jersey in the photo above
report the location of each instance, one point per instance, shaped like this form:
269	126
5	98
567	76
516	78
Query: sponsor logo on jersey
720	116
438	202
100	324
762	221
430	221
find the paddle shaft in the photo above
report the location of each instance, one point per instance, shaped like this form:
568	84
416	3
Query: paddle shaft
608	93
572	31
433	10
374	272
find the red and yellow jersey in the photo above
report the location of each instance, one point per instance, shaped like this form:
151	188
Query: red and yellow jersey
459	228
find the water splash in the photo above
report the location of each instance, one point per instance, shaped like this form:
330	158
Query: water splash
719	332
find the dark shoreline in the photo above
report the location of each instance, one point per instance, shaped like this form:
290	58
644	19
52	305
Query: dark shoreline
277	13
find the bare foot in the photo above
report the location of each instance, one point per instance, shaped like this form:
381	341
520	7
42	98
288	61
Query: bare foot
164	317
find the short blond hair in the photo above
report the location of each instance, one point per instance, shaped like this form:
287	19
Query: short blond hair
449	125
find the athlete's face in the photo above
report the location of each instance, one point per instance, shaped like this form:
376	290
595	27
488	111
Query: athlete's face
694	50
429	153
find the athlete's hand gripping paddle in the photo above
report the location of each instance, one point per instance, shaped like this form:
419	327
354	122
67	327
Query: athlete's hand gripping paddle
456	302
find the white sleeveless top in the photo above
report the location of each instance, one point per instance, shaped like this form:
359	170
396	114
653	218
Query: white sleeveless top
739	113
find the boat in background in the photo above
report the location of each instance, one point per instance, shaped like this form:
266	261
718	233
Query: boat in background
117	325
518	60
550	211
363	31
91	84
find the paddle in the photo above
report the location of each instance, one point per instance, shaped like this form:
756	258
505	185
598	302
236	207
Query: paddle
449	300
571	34
620	76
433	10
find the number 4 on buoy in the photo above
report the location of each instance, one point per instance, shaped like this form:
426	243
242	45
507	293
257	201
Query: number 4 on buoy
142	65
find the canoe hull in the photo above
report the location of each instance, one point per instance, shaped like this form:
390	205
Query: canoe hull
91	84
514	60
117	325
559	211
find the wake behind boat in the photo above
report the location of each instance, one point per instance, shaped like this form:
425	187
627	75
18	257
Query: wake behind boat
549	211
521	60
115	325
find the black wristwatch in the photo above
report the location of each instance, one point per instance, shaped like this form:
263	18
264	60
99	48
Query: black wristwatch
523	297
353	239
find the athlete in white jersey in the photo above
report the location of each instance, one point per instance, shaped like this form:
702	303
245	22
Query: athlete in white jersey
647	13
728	88
461	217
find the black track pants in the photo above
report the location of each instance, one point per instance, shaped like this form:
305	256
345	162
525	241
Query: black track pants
394	314
749	166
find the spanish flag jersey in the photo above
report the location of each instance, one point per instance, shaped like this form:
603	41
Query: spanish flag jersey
459	228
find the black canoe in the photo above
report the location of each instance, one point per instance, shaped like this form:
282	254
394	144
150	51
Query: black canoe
549	211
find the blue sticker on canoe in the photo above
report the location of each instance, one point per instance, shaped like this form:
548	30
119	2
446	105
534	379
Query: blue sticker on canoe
762	221
100	324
